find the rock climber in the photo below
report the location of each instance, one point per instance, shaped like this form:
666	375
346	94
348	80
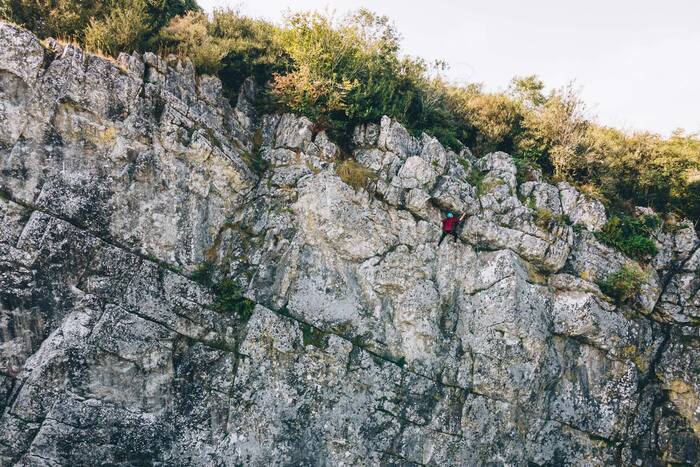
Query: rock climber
450	225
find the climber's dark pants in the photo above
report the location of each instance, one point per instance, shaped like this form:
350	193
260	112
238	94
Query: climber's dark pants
445	234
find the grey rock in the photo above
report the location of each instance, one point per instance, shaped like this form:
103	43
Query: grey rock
676	246
395	138
582	210
329	150
416	172
434	154
366	135
368	344
543	195
500	166
293	132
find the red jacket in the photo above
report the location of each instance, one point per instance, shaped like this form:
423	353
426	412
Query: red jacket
449	224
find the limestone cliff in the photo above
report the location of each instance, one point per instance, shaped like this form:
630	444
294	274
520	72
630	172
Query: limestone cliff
368	345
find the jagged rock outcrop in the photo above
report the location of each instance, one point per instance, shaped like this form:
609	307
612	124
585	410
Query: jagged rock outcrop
368	344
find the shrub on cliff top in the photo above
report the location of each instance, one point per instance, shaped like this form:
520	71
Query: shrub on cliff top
341	72
349	71
111	26
121	29
228	44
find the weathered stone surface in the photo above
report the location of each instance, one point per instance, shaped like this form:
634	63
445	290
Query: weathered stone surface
581	210
680	302
368	344
99	142
543	195
393	137
500	166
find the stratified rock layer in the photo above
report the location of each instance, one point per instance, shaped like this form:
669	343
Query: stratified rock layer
369	344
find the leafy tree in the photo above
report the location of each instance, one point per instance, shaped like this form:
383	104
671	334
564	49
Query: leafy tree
528	90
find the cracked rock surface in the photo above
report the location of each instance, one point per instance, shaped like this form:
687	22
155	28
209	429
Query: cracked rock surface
368	344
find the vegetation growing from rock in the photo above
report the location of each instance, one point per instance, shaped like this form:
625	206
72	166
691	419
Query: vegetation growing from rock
632	236
354	174
624	284
543	217
476	179
341	72
204	274
228	294
230	299
227	44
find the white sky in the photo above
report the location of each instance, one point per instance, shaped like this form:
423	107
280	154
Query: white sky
637	61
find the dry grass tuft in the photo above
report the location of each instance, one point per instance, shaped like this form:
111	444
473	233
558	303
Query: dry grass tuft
355	175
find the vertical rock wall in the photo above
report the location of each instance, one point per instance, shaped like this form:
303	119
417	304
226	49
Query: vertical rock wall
369	344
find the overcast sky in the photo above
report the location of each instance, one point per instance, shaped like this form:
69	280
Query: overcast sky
636	61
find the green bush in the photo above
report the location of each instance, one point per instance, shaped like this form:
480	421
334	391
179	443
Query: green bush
563	219
228	44
189	35
315	97
349	71
489	122
312	335
476	179
543	217
58	18
631	235
228	295
204	274
624	284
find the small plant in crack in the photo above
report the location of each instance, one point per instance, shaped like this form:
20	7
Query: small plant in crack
355	174
625	284
230	299
204	274
632	236
476	179
229	296
313	336
254	159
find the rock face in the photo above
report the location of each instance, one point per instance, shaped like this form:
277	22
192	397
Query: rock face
368	344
